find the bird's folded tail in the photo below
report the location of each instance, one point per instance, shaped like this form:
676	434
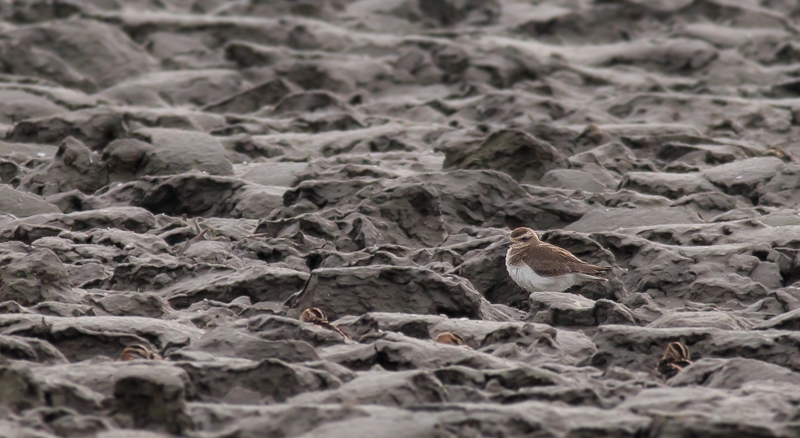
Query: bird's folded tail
597	271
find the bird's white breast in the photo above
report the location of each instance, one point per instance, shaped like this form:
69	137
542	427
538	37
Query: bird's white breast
528	279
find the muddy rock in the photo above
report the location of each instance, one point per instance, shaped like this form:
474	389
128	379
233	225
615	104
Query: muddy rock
516	153
345	291
733	373
36	277
270	380
83	54
74	167
255	98
259	282
670	185
144	399
23	204
232	343
175	152
20	390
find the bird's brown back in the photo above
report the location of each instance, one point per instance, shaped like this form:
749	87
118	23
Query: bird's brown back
551	261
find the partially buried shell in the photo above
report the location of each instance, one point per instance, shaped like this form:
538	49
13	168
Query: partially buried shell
315	316
138	351
449	338
676	358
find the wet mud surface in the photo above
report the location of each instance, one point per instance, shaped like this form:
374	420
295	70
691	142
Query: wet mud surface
184	178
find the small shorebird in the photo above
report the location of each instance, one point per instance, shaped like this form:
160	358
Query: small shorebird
541	267
138	351
675	359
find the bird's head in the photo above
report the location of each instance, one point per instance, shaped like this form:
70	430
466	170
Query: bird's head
523	236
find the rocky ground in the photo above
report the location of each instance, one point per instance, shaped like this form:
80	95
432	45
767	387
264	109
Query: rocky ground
191	175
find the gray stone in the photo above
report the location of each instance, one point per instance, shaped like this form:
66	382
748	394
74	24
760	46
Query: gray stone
349	291
610	219
22	204
573	179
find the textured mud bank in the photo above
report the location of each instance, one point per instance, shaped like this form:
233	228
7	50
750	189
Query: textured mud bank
190	175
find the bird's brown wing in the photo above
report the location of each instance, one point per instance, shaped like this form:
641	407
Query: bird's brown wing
550	261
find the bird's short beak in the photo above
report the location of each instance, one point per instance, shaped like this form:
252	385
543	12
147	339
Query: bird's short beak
505	241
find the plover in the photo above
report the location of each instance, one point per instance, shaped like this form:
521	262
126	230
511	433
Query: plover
138	351
541	267
675	359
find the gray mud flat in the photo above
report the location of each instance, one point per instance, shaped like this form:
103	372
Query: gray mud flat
191	175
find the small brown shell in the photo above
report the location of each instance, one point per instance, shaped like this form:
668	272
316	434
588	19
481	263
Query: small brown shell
138	351
314	315
676	357
449	338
